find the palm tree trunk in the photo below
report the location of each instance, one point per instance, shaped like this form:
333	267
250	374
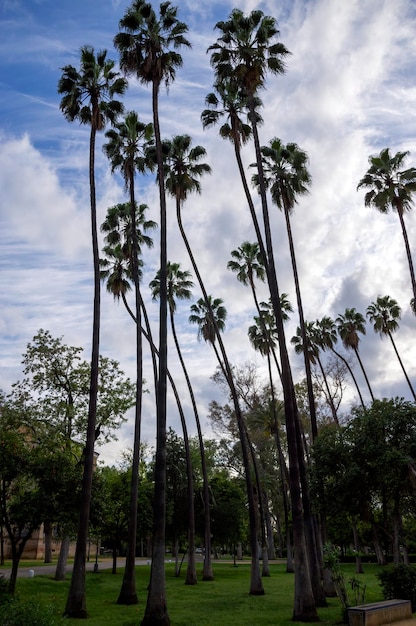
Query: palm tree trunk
256	585
365	375
191	569
304	602
156	612
305	341
408	252
352	374
76	601
329	395
60	571
402	366
128	592
207	570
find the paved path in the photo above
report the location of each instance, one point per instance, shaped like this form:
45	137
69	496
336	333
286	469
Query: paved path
42	569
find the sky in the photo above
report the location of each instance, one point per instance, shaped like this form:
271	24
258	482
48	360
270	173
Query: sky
349	91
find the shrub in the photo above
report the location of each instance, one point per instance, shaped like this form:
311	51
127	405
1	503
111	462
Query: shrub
26	613
399	582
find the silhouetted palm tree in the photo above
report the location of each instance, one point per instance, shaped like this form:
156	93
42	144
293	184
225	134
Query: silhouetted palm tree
148	45
88	97
391	187
383	314
349	325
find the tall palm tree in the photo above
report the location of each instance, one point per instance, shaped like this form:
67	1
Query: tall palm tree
148	45
88	97
326	336
312	351
287	176
209	314
179	287
245	51
383	314
349	325
391	187
125	148
247	263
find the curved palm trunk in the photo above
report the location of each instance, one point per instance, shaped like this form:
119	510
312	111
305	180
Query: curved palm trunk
364	372
128	592
156	612
76	601
352	374
408	252
305	341
191	569
402	366
330	399
282	472
256	585
304	601
207	570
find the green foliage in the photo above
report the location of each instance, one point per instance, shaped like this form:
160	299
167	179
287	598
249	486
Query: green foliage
399	582
17	612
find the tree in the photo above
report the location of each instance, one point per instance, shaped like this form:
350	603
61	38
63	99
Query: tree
89	98
125	149
244	52
312	351
148	47
383	314
286	175
349	325
391	188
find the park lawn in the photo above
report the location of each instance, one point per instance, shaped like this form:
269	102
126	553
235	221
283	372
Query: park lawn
224	601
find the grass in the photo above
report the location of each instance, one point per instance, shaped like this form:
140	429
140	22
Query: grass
224	601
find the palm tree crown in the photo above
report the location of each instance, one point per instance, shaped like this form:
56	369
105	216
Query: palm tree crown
383	314
148	45
179	285
286	173
244	49
247	263
349	325
88	93
183	167
201	315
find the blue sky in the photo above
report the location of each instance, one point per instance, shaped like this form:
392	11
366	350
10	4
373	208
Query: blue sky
349	91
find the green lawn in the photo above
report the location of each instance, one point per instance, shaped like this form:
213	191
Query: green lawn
223	602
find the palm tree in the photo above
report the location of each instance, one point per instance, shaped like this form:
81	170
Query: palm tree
287	176
244	52
209	314
312	351
383	314
125	148
391	188
179	287
148	47
349	325
326	336
247	263
88	96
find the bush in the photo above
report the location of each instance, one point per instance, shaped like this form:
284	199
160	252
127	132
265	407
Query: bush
399	582
19	613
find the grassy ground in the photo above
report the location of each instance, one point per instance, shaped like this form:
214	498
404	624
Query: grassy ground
225	601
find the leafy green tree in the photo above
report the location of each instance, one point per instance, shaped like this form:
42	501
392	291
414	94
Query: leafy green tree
88	96
148	45
125	149
349	325
391	187
383	314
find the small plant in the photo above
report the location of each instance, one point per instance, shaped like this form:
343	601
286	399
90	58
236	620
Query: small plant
358	590
331	562
24	613
5	596
399	582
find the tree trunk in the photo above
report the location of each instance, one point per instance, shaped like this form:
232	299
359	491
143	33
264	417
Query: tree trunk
156	612
402	366
408	252
47	529
60	572
358	561
364	372
76	601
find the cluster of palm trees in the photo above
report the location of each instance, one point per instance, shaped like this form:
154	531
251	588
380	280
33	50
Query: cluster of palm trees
247	49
